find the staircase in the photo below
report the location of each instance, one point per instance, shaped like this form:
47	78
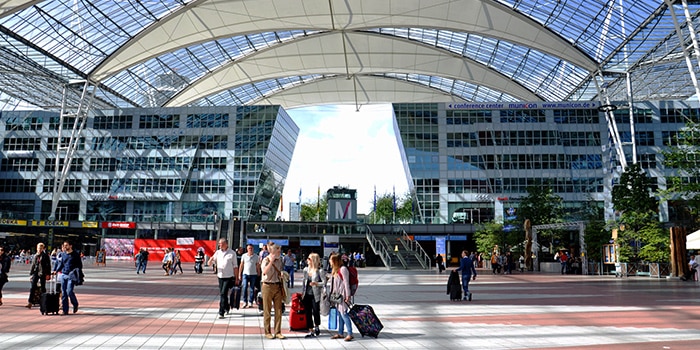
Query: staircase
399	251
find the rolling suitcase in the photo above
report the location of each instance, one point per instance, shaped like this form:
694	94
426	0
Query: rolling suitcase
297	315
365	320
454	286
235	298
49	303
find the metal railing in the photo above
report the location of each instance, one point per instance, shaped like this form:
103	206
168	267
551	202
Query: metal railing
378	248
415	247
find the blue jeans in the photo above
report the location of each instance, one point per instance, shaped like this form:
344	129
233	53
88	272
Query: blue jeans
248	288
344	321
142	266
290	271
465	283
67	286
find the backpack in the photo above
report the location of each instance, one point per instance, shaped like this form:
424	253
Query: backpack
354	282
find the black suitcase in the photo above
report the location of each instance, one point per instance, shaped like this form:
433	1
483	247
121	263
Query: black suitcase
235	298
50	302
365	320
454	286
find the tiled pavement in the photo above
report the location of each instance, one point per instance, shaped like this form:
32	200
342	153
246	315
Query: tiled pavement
122	310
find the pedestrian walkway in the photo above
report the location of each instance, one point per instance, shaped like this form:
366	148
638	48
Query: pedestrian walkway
122	310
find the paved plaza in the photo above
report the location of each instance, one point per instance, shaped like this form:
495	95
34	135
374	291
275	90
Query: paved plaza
122	310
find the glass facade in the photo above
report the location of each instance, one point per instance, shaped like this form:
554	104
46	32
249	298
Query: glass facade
473	162
150	165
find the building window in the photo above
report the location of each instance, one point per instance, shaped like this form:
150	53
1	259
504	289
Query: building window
113	122
21	144
70	186
164	121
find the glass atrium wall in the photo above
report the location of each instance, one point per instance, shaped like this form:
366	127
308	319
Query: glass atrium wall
474	162
149	165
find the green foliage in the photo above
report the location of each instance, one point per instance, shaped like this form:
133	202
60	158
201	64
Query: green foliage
642	236
542	207
685	159
596	235
384	212
489	235
633	192
643	229
314	211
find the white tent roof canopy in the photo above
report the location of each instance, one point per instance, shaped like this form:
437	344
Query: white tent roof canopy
222	52
693	241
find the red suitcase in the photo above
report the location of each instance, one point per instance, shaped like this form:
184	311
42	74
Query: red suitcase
297	315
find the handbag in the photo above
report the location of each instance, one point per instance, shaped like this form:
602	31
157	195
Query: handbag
336	298
325	304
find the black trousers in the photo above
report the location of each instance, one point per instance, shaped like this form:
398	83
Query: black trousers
312	309
38	282
225	285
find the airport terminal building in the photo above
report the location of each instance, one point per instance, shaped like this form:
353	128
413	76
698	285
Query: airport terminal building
472	162
157	170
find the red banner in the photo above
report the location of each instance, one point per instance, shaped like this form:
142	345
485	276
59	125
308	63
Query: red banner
156	248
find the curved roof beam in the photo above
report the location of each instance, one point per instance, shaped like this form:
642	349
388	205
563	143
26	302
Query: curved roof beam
206	20
11	6
367	53
363	89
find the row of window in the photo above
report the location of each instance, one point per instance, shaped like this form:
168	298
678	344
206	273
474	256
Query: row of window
523	138
114	164
533	161
520	185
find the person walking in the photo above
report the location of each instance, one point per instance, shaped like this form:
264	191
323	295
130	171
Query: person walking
313	282
466	266
289	261
39	272
5	263
272	290
199	260
167	261
250	270
340	285
177	262
141	267
68	261
226	271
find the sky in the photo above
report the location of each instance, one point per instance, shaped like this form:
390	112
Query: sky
338	146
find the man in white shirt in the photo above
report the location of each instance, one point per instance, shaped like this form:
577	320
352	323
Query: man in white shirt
227	270
250	270
693	265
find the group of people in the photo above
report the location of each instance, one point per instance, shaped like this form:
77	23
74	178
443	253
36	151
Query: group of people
67	269
171	262
270	268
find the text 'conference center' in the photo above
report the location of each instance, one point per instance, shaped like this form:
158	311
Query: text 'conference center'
464	162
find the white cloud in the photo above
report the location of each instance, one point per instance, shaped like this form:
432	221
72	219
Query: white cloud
338	146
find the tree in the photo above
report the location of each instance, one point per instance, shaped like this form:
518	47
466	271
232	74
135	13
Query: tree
640	235
384	211
633	192
596	234
488	236
684	157
542	207
314	211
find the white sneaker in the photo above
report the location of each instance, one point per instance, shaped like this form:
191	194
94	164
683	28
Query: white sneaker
245	305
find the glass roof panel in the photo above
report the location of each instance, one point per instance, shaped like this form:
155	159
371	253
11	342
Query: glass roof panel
85	32
192	63
547	76
595	26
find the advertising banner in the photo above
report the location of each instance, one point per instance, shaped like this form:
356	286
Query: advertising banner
156	248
